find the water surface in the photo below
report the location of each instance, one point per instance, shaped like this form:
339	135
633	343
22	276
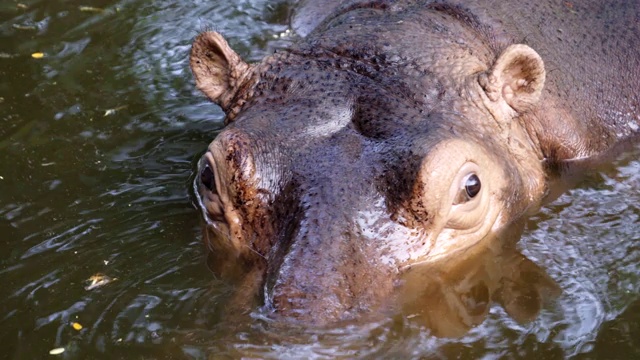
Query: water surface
98	141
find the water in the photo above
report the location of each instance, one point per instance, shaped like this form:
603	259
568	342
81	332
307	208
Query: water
98	141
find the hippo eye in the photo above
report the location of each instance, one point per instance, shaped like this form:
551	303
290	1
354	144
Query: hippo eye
206	178
472	186
469	189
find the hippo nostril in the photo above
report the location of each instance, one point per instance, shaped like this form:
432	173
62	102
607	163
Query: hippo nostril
206	178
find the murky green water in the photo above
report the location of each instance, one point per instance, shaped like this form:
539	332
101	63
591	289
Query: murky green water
97	145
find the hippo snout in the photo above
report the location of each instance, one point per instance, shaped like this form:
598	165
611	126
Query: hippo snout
310	232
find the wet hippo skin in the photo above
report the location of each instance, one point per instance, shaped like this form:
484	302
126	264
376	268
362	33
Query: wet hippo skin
398	134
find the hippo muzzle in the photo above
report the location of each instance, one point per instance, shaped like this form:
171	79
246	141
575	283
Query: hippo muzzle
317	236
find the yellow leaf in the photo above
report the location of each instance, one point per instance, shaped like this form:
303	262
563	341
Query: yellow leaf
37	55
76	326
98	280
56	351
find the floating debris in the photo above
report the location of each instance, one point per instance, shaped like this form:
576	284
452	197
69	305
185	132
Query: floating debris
76	326
6	56
22	6
56	351
25	27
1	178
286	33
91	9
114	110
37	55
98	280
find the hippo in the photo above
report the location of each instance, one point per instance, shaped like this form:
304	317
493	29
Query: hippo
397	135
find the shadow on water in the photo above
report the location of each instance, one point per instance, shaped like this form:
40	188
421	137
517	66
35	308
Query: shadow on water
98	140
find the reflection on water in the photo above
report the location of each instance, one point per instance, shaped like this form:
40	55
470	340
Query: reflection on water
455	294
97	145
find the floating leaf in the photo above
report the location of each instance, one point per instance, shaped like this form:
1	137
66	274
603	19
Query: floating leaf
114	110
98	280
24	27
91	9
76	326
37	55
56	351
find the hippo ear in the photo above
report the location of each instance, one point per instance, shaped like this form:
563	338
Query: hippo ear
515	80
220	73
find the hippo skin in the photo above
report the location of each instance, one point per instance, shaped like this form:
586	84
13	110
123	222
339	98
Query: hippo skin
395	134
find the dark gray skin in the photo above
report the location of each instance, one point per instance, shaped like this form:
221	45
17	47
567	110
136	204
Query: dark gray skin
399	133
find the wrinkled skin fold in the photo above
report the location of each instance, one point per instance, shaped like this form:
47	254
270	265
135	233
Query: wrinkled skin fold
396	135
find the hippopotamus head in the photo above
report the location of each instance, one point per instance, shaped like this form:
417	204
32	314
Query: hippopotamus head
354	156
